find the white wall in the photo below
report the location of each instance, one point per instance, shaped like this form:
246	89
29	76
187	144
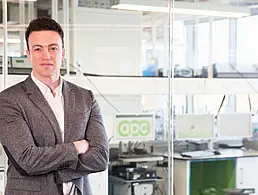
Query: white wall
117	104
108	41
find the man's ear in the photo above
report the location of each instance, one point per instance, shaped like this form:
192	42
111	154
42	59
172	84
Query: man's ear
63	54
28	55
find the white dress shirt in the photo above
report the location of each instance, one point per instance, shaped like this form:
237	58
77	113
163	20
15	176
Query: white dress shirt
57	104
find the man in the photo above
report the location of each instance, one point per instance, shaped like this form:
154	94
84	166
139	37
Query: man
51	130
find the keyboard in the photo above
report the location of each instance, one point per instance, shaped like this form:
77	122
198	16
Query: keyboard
231	145
139	155
196	154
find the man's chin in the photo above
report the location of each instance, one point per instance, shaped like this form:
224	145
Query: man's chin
48	75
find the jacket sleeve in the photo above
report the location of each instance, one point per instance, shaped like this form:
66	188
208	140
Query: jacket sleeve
19	145
96	158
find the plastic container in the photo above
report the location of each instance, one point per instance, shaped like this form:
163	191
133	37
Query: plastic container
255	126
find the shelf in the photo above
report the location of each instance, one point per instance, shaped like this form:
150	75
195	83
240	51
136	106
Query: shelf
155	85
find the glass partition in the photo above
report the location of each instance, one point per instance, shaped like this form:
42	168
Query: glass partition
122	56
126	50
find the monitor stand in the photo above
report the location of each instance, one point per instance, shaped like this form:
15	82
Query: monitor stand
203	153
210	145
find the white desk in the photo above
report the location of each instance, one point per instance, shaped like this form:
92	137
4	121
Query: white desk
224	153
238	166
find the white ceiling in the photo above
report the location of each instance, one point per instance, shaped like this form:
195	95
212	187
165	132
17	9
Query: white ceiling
159	18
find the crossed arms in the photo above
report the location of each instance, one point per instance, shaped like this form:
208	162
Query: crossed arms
71	160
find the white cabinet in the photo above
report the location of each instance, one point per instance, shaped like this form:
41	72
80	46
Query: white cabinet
247	172
2	175
99	182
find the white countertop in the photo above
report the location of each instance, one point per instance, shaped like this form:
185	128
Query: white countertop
224	153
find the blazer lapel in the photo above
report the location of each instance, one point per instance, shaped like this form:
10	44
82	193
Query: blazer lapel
38	99
69	109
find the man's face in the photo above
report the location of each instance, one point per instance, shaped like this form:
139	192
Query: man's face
45	53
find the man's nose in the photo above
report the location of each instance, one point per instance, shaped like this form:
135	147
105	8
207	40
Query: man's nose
46	54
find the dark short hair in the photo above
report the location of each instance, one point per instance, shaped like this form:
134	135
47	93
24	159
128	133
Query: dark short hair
41	24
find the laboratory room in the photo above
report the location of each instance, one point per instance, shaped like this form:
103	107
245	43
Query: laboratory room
128	97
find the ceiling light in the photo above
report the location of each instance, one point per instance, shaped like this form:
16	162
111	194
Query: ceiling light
203	9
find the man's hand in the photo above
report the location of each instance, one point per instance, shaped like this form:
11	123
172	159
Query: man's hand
81	146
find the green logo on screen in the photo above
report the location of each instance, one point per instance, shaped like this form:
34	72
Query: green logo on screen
134	128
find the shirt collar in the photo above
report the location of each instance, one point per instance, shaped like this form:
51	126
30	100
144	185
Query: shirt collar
45	89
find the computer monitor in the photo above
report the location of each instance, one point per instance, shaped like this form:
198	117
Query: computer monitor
194	127
234	125
134	127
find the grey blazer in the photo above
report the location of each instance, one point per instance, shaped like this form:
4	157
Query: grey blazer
38	160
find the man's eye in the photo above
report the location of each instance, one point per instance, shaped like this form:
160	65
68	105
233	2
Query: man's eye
54	48
37	49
